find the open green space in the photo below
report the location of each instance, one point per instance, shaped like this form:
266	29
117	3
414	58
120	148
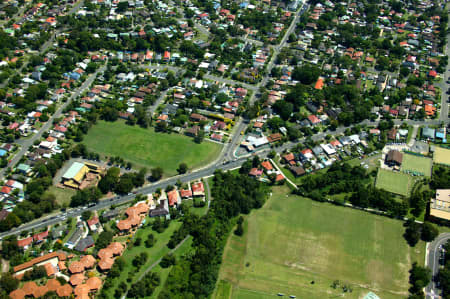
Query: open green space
185	248
292	241
395	182
154	253
63	196
441	155
412	163
145	147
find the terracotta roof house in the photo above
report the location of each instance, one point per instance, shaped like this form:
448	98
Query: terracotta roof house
94	283
17	294
76	267
53	284
88	261
25	266
38	238
105	264
50	269
198	189
173	197
64	290
30	288
82	290
267	165
185	193
289	157
255	172
25	242
77	279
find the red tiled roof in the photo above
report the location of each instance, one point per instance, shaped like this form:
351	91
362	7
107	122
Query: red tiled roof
23	243
267	165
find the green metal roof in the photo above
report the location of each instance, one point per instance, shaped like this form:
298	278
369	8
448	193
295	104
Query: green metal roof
73	170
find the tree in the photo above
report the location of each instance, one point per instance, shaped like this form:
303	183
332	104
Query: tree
306	74
429	231
8	282
182	168
86	215
200	136
168	260
412	232
150	242
419	278
157	173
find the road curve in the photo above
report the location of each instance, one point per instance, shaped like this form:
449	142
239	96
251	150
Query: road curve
433	263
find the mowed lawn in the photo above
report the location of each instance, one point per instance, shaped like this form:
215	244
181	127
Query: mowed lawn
441	155
417	164
395	182
293	241
145	147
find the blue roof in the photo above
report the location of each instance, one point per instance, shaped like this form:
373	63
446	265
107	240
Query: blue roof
2	152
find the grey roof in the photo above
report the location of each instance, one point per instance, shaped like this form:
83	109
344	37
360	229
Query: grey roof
84	243
75	236
428	132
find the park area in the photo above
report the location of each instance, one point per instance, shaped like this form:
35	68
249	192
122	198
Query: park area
395	182
417	165
441	155
296	246
147	148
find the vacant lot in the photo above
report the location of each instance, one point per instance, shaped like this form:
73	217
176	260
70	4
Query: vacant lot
417	164
441	155
395	182
145	147
293	241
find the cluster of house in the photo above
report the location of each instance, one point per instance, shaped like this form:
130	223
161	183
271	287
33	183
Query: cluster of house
282	9
435	134
422	56
267	168
156	205
325	154
13	190
41	13
55	264
214	121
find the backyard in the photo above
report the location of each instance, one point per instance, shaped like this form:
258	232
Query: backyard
145	147
395	182
417	164
296	246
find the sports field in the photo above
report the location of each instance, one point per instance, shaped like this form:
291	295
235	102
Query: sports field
441	155
145	147
293	241
417	164
395	182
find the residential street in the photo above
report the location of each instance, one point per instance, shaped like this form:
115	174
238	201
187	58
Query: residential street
26	143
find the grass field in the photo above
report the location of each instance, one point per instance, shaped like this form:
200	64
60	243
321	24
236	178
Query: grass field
395	182
292	241
145	147
63	196
417	164
441	155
